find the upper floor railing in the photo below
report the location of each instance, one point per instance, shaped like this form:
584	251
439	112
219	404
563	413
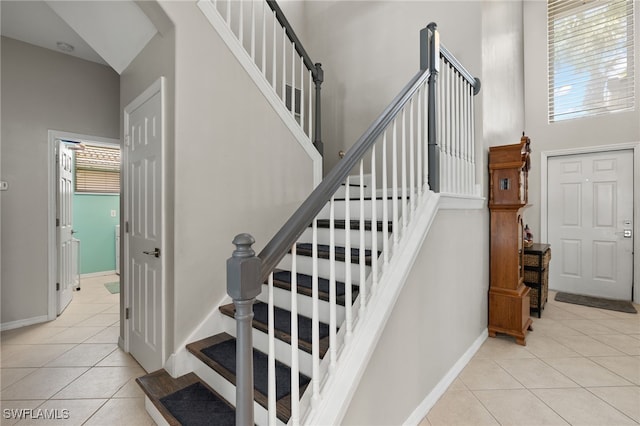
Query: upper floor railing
268	39
423	141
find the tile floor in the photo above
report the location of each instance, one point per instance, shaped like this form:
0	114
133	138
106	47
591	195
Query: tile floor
72	367
581	366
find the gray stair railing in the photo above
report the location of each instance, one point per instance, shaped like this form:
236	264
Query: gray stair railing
430	118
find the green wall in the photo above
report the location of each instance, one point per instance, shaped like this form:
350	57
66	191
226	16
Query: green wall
96	230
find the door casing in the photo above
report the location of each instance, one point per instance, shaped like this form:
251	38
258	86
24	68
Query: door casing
635	146
53	136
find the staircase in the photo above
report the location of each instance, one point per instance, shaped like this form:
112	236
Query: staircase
308	310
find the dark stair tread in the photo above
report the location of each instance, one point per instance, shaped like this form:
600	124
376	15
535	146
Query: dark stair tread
186	400
282	326
219	353
369	198
305	249
353	224
282	279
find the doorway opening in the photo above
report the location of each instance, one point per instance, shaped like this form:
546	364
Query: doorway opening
65	247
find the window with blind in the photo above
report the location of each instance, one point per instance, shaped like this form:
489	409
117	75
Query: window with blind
591	57
98	169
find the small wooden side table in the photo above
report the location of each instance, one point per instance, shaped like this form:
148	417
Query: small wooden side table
536	274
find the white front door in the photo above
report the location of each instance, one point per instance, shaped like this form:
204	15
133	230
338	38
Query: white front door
144	240
590	217
67	262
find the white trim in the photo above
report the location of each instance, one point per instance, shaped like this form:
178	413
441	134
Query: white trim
154	413
158	86
461	202
98	274
430	400
209	10
53	135
635	146
23	322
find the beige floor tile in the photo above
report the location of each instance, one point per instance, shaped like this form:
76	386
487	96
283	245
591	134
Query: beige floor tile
580	407
588	326
42	383
108	335
624	326
625	366
28	335
623	342
533	373
586	312
130	390
84	355
548	327
118	358
625	399
71	319
91	308
457	385
114	309
9	376
586	372
588	346
518	407
100	320
486	374
67	412
547	347
424	422
99	382
34	355
625	315
17	410
73	335
460	408
125	411
502	347
556	313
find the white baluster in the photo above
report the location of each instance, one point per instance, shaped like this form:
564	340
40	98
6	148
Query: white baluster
374	222
332	287
295	368
412	171
385	202
420	142
315	326
456	132
425	121
293	79
284	66
348	282
228	17
241	23
394	183
309	133
274	68
263	67
302	117
403	173
473	142
271	356
361	250
253	30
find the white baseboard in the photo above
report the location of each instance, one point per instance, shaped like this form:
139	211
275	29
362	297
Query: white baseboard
425	406
97	274
23	322
154	413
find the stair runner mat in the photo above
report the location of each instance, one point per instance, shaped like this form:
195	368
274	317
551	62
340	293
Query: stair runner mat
282	322
224	353
340	251
306	282
196	405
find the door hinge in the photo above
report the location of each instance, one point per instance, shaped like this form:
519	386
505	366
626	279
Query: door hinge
57	221
126	227
57	286
126	313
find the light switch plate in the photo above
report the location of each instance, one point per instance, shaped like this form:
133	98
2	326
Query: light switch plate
113	213
4	186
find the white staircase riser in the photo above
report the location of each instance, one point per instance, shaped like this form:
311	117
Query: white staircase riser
340	237
305	266
354	209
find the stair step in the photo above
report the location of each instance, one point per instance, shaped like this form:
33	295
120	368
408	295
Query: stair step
353	224
282	326
186	400
219	353
282	279
305	249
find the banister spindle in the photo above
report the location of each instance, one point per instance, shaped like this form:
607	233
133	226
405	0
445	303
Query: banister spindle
271	368
274	55
295	368
332	287
394	183
374	221
403	172
419	145
348	304
385	204
361	249
412	171
315	320
253	30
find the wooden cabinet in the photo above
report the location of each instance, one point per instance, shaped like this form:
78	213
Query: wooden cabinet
508	192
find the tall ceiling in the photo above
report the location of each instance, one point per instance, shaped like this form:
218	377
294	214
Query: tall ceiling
106	32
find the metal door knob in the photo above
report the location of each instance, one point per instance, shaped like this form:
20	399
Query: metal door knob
155	252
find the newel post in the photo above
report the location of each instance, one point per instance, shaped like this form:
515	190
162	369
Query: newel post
243	285
318	78
430	58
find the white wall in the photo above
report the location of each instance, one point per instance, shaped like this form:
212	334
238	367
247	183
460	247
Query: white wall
237	166
583	132
41	90
441	311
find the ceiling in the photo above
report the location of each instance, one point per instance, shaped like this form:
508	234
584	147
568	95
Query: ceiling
106	32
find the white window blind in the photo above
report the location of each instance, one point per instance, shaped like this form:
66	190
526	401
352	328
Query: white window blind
591	57
98	169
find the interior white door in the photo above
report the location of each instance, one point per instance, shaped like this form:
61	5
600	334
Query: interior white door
144	263
590	223
67	265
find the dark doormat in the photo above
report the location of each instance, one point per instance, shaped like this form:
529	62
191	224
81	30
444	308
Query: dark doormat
597	302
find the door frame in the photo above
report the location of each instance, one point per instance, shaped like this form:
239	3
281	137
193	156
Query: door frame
52	251
635	147
157	86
